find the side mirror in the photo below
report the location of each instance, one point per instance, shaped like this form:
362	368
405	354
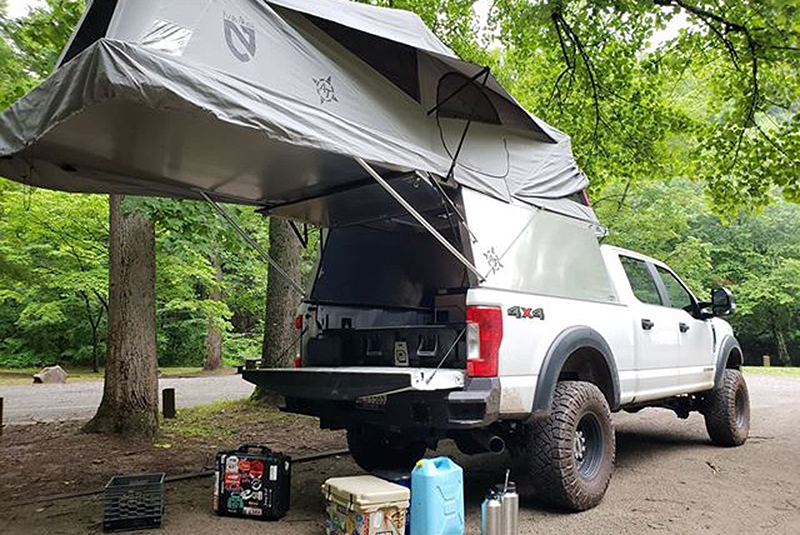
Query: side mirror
722	302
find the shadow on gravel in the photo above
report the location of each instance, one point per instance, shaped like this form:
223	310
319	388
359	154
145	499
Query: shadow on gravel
635	449
638	447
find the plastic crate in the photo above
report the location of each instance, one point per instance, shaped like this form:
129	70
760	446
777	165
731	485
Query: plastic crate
133	502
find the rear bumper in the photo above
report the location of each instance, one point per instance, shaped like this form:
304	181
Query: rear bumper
448	401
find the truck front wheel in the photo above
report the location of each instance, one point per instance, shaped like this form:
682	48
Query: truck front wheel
373	448
727	410
570	454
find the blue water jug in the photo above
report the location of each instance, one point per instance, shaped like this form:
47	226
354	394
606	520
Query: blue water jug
437	498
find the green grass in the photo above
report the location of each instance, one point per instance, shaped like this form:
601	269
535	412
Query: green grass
77	374
773	371
221	420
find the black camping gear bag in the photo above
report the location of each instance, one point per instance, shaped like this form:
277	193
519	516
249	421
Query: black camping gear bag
252	482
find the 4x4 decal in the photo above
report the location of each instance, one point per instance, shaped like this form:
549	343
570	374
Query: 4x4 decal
526	313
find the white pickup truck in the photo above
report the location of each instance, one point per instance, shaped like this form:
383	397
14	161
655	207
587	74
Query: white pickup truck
461	290
403	347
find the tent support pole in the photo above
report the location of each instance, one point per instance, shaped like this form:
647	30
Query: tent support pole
466	126
252	243
421	220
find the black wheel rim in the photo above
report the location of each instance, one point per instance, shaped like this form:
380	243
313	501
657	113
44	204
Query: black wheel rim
587	447
739	408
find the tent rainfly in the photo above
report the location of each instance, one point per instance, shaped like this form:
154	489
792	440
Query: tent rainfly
270	103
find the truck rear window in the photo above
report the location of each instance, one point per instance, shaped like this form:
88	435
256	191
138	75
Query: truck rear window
641	280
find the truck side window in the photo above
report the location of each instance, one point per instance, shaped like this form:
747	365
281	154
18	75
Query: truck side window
678	296
642	283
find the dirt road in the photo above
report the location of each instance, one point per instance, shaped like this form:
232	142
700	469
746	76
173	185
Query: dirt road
51	403
668	479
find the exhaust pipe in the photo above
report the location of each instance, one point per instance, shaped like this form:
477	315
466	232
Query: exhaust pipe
491	443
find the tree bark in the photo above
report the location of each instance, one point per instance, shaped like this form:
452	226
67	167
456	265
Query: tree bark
214	333
130	393
280	337
783	350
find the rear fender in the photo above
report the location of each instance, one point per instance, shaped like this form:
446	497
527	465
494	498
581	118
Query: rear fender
566	344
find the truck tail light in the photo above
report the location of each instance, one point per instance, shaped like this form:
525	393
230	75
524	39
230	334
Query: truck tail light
298	322
484	334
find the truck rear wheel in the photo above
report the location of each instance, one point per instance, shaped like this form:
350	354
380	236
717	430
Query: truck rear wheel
570	454
373	448
727	410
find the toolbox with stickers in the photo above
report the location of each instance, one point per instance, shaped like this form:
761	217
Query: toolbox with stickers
252	482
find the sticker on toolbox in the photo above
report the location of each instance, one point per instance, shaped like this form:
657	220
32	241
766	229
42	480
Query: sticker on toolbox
235	502
255	484
216	484
232	482
244	465
273	472
253	511
248	494
232	464
256	469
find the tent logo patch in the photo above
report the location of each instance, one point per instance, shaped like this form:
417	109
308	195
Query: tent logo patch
240	36
325	90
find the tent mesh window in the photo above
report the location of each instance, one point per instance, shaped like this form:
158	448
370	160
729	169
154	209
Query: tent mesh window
94	27
463	99
396	61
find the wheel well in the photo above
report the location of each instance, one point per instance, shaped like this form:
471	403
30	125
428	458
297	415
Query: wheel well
734	359
588	364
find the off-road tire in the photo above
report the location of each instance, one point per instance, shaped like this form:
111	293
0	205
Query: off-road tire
727	410
373	448
556	467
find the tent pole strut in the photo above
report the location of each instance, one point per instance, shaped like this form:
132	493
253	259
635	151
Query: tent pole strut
252	243
422	221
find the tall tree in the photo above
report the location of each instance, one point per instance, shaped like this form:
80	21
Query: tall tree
130	393
280	338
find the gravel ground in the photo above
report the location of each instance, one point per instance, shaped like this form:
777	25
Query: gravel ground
668	479
28	404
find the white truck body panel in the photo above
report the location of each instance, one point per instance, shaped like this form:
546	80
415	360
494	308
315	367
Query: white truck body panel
536	260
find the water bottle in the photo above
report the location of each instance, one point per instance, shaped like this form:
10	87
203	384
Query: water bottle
510	510
491	514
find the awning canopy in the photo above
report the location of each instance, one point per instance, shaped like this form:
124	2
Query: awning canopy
268	103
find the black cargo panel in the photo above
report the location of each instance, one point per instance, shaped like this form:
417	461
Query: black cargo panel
419	346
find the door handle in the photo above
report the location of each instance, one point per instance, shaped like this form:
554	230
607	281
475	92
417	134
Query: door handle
683	327
647	324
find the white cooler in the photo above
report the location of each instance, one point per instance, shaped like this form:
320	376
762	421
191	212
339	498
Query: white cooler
365	505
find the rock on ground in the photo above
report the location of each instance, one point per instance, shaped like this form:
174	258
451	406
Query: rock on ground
51	375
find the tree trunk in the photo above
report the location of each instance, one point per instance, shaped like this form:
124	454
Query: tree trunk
214	333
280	335
130	393
783	351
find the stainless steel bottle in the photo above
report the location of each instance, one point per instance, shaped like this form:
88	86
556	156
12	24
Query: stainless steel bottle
510	510
491	514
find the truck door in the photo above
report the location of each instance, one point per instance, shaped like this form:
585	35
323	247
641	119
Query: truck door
657	343
696	336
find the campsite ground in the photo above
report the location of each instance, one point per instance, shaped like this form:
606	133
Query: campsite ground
668	478
23	376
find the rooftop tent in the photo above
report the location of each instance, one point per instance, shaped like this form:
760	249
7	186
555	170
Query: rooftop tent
268	103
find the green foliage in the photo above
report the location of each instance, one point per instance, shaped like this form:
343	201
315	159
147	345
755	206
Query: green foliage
53	274
684	142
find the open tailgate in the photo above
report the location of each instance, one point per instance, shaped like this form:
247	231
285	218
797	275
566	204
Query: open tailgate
351	383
